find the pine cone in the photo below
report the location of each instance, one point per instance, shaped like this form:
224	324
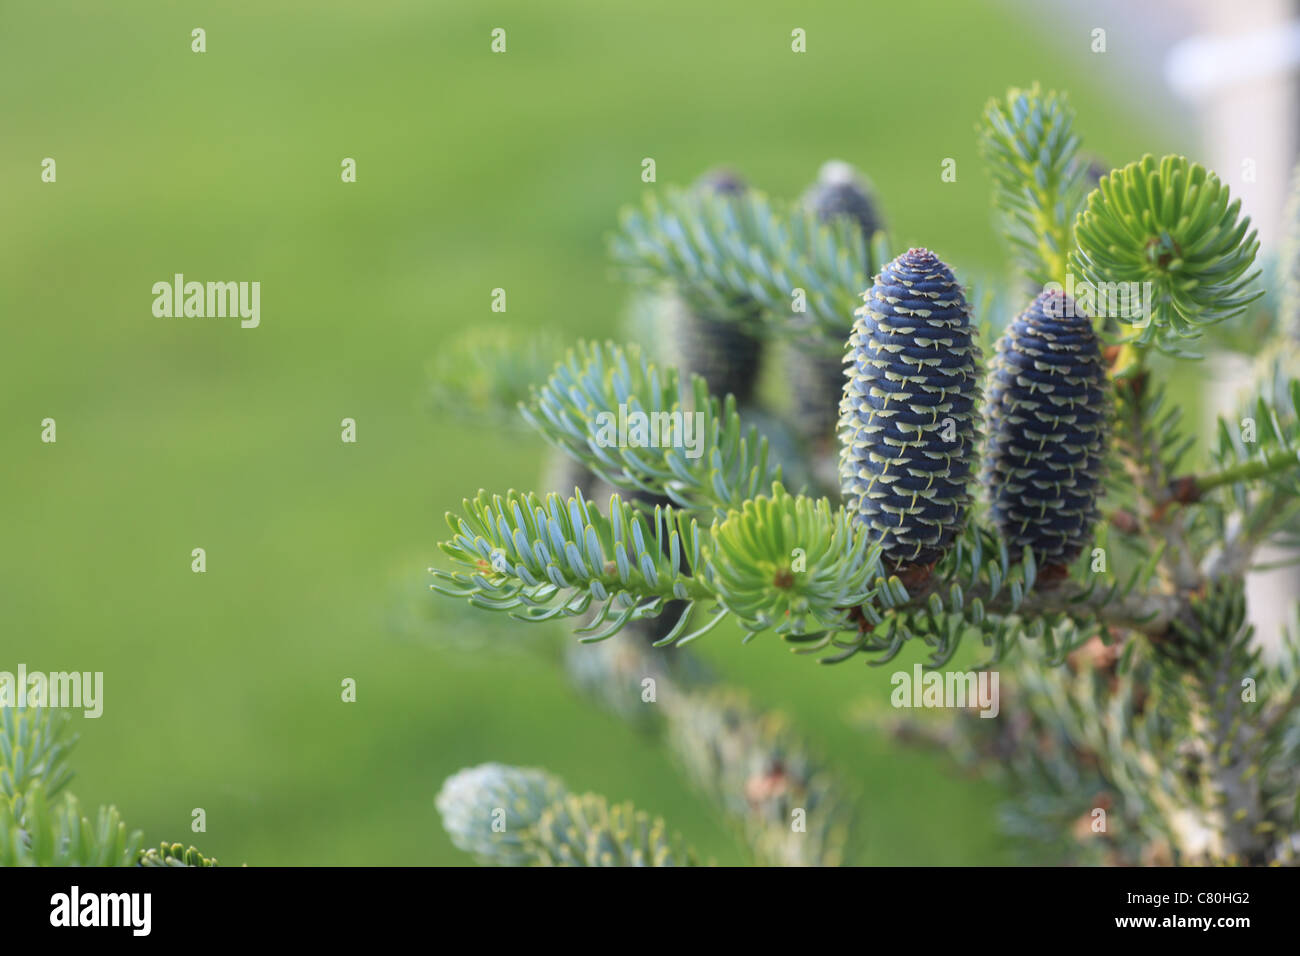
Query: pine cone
1047	426
907	419
721	351
723	180
718	350
841	191
817	380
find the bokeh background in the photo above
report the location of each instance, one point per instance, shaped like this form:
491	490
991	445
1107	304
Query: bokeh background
475	171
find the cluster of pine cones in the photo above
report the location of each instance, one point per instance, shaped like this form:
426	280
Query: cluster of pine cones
908	418
909	430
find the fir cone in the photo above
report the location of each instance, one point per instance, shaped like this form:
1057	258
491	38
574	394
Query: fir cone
817	379
817	382
1047	426
907	418
841	191
1094	173
720	350
471	799
723	180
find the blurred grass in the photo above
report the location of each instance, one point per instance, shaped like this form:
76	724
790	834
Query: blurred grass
474	171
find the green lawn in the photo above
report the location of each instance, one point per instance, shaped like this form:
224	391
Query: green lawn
474	171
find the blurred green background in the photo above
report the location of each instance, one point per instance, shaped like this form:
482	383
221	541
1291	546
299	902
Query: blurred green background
474	171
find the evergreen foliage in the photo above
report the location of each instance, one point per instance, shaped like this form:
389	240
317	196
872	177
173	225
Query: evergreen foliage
41	824
1100	561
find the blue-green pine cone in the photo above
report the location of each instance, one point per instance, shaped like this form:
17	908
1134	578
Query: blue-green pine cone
724	351
817	380
907	417
840	191
720	351
1047	421
723	180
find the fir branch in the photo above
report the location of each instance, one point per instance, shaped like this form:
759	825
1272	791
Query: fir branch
582	408
724	253
782	563
1151	446
542	559
752	765
486	374
490	810
34	747
1275	416
981	587
512	817
1170	223
1253	490
1268	464
1028	140
587	831
791	564
58	834
1125	606
38	828
1221	813
1288	263
173	854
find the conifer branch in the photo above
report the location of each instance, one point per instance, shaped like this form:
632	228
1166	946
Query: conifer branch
1288	264
1227	750
791	565
1028	140
1172	225
508	816
43	825
561	558
58	834
752	765
34	747
724	253
173	854
600	405
486	375
1271	462
1254	489
557	558
1133	645
762	778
